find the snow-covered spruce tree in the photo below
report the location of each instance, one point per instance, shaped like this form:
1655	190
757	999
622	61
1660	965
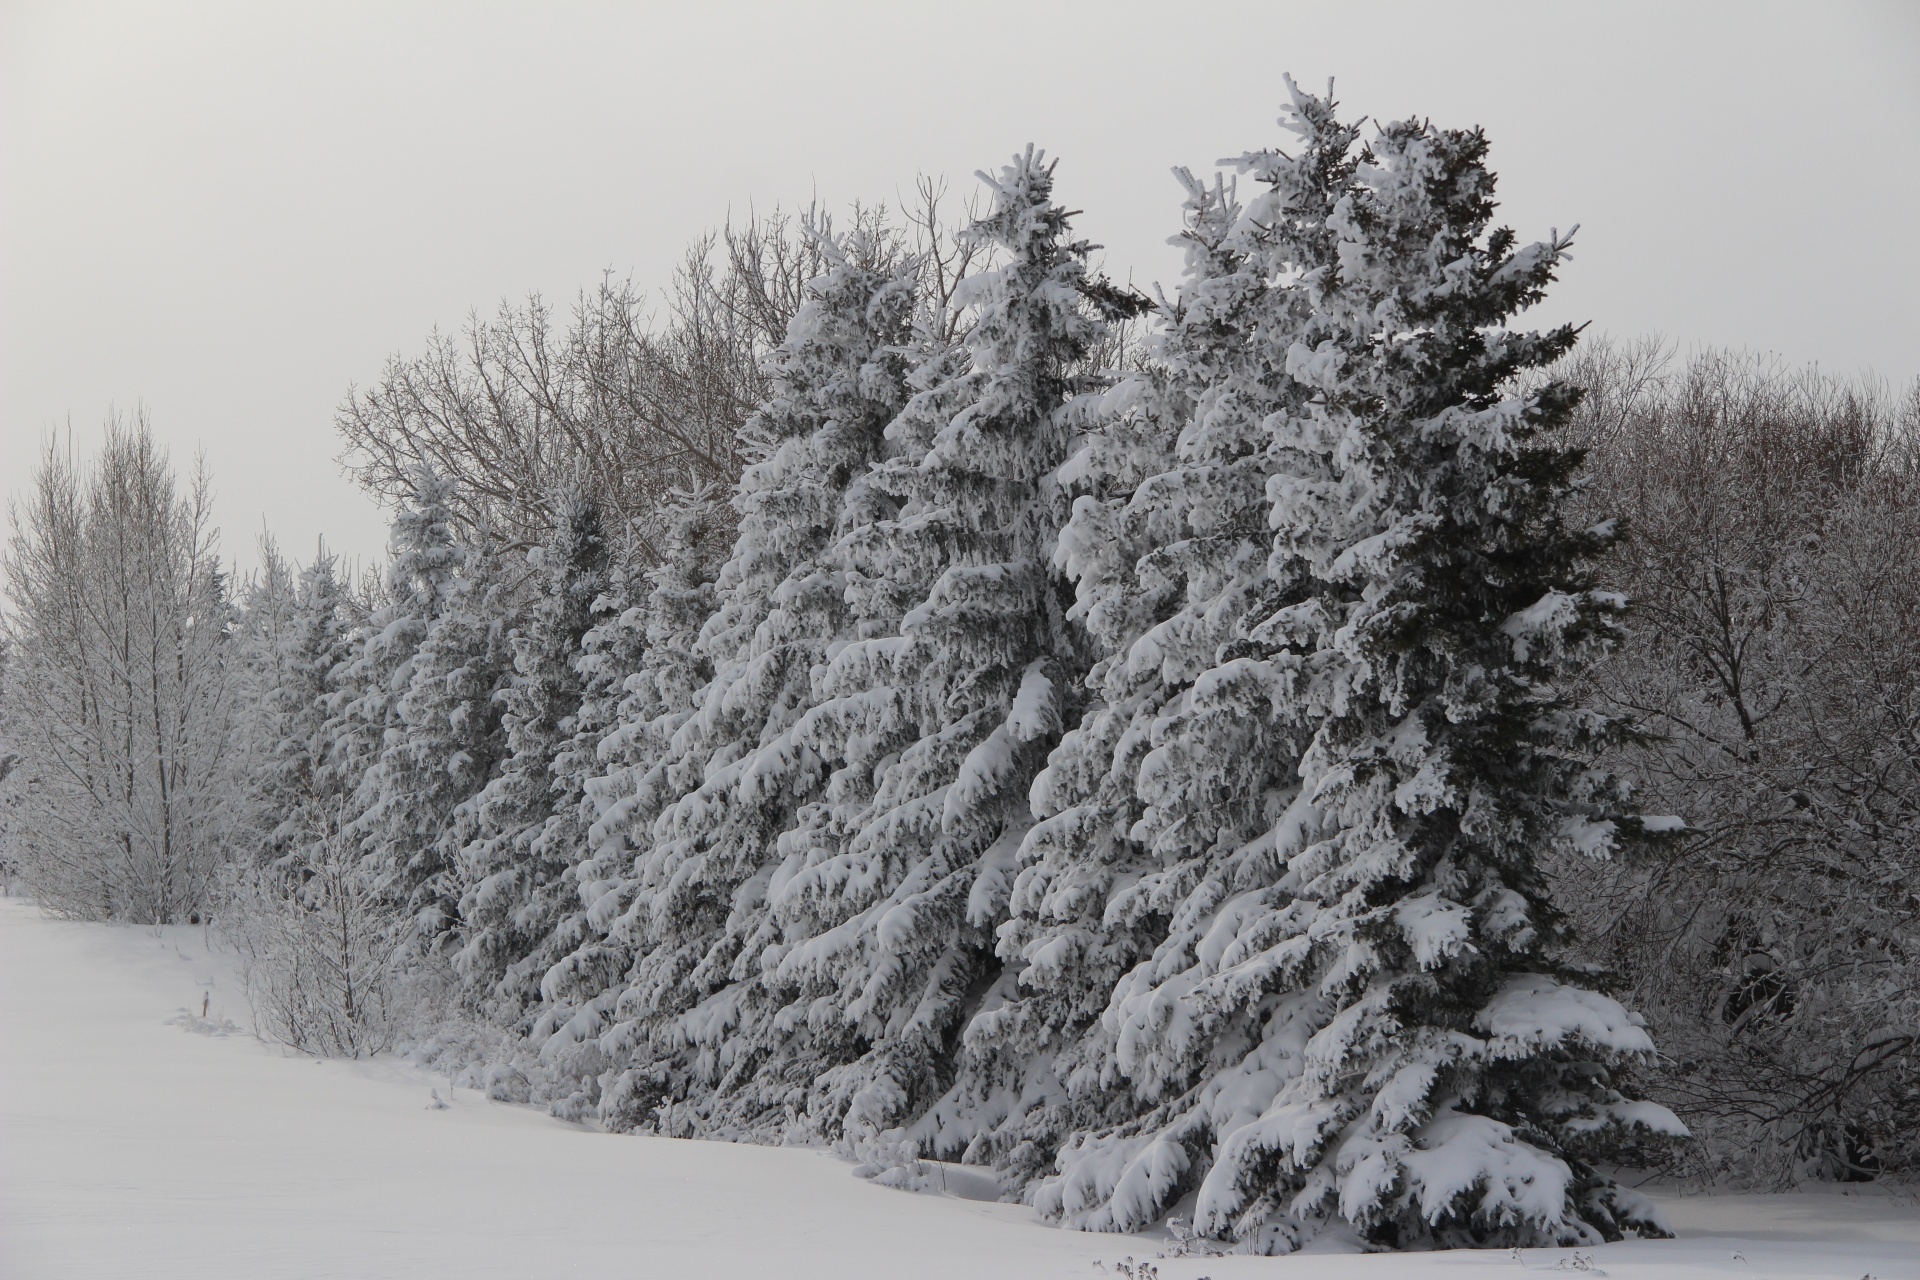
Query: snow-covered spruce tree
886	936
363	708
421	712
1150	811
650	649
1421	1061
693	1009
613	654
451	744
295	633
514	877
260	674
855	725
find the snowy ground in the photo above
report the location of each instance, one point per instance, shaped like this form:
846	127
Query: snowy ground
138	1141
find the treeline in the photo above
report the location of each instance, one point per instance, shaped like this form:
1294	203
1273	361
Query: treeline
1184	754
1772	669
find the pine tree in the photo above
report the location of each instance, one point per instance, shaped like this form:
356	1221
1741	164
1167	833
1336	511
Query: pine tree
364	705
887	935
836	381
1151	813
1168	549
1417	1056
268	706
419	713
650	649
516	886
452	743
613	657
855	724
299	790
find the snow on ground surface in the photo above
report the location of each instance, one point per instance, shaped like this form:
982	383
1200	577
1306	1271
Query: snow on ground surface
137	1140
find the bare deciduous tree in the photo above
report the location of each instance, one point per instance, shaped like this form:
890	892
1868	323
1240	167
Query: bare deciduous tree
1774	668
118	694
618	402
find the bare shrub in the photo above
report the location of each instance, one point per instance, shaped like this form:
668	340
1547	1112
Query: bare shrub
317	943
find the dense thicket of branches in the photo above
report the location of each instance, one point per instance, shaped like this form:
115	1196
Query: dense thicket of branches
879	699
619	399
1774	669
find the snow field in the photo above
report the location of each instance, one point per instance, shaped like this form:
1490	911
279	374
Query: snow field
138	1140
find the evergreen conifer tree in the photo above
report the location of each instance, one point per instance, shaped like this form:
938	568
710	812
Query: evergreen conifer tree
307	917
1174	765
613	658
887	934
1151	813
364	705
452	743
855	725
648	671
694	1000
273	774
300	789
422	712
517	887
1410	1049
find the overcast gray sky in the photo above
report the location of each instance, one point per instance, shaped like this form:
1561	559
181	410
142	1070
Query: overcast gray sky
232	212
